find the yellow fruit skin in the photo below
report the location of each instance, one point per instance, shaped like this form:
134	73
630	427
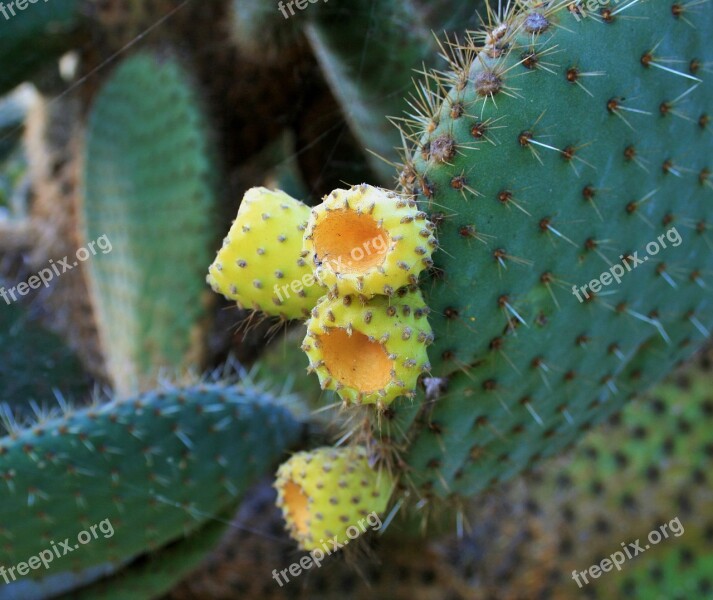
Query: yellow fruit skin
357	262
399	325
341	491
261	265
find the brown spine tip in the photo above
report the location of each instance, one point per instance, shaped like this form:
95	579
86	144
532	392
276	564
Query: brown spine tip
478	130
529	59
458	183
457	110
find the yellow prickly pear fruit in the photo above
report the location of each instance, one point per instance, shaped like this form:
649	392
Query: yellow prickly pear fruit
331	494
369	351
368	241
261	264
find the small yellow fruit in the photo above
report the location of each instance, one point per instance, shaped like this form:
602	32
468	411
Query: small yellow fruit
369	351
261	264
331	492
368	241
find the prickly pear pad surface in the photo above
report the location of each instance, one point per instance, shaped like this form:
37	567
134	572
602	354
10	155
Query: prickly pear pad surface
567	143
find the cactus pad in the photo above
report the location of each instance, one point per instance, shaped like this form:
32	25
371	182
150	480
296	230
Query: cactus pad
559	145
156	466
148	187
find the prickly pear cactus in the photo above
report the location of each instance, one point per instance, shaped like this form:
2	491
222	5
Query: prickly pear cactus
634	492
155	575
143	472
148	187
565	148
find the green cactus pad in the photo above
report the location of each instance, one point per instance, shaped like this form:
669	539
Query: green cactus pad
562	146
155	575
157	467
647	469
148	187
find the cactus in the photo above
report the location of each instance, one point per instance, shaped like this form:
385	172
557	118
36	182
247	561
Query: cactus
148	290
155	575
557	139
156	467
326	493
512	341
646	468
594	170
351	42
261	264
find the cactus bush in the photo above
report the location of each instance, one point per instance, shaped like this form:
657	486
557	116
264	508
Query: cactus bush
540	258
